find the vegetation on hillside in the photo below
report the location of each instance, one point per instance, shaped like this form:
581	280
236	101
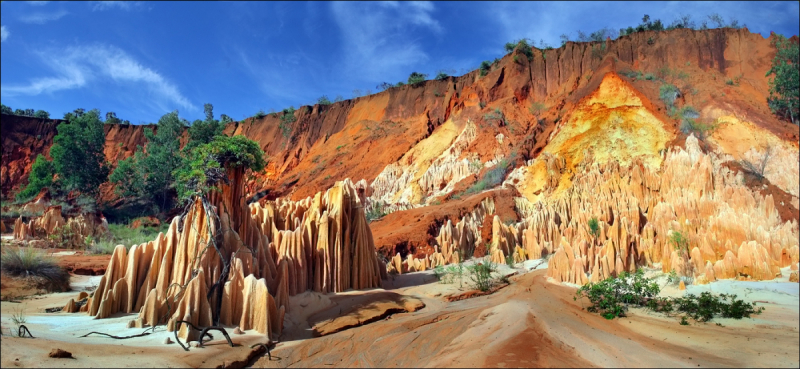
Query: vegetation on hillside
784	87
34	265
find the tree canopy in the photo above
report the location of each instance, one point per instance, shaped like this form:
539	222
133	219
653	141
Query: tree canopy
77	153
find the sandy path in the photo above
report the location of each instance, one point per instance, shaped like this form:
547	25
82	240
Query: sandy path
537	323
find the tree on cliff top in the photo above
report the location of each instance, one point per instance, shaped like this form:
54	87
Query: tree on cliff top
77	153
204	131
785	87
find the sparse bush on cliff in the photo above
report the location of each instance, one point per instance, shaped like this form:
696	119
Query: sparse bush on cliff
784	88
41	176
441	76
416	78
485	67
41	114
323	100
286	121
6	109
492	178
111	118
384	86
668	93
523	45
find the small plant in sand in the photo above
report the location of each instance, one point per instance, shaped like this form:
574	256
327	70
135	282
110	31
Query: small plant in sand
481	274
758	168
613	296
18	318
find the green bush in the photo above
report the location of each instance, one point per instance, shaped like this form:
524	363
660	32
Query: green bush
323	100
41	176
784	89
492	178
485	67
28	262
614	295
481	274
286	121
594	227
376	212
441	76
416	78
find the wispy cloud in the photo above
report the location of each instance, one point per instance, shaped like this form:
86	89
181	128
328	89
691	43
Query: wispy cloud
4	33
37	3
77	66
42	18
105	5
376	35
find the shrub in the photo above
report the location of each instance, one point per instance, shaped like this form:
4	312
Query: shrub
485	67
376	212
492	178
441	76
481	274
260	114
668	93
416	78
31	263
594	227
41	176
536	108
286	121
323	100
495	115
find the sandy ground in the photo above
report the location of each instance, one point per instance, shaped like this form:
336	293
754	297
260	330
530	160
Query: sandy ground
531	322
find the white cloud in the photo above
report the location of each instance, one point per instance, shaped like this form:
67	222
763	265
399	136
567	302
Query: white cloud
4	33
376	35
37	3
105	5
77	66
42	18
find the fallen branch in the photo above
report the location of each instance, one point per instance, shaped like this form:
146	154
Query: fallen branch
21	331
267	346
203	333
145	333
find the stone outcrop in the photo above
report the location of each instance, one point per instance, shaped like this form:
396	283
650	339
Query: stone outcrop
52	222
276	249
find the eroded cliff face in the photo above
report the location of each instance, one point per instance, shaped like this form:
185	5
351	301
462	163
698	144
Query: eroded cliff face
416	149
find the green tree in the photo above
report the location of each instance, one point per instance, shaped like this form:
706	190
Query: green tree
41	114
323	100
128	178
203	131
6	109
784	88
225	119
206	164
41	177
111	118
77	153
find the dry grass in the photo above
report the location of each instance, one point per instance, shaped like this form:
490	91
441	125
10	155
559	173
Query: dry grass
33	265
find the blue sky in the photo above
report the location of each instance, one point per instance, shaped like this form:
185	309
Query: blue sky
144	59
